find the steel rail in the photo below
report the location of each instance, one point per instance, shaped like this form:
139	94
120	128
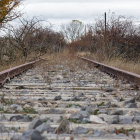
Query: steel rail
10	73
129	76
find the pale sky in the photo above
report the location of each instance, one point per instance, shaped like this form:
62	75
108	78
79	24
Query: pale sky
63	11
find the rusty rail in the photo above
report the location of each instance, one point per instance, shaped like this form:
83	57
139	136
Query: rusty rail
10	73
132	77
129	76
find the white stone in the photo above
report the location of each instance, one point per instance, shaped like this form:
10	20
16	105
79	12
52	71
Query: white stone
49	104
19	109
67	138
92	99
36	106
95	119
26	106
40	105
59	76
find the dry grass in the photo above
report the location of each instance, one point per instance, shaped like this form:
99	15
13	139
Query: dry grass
6	66
21	60
63	63
120	63
65	58
58	58
54	58
128	66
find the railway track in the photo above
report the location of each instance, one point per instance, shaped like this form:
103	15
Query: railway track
67	101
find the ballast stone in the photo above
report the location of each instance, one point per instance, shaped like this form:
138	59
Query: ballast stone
44	127
132	100
80	130
35	123
32	135
131	105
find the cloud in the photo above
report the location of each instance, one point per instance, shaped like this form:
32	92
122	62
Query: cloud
73	10
62	11
80	1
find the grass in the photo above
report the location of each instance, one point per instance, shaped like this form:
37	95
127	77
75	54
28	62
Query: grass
70	105
54	59
8	101
20	87
61	117
120	63
45	121
30	117
75	121
101	104
124	131
95	112
25	110
2	110
66	58
8	65
29	111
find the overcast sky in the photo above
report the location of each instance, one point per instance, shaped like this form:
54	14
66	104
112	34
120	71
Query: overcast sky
63	11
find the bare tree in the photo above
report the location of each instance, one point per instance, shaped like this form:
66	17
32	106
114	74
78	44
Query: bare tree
122	38
22	37
73	30
34	37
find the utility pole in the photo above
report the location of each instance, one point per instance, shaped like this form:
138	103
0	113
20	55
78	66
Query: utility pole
105	31
85	30
105	26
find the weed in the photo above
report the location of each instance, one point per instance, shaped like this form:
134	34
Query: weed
45	121
132	129
20	87
29	110
61	117
6	111
77	99
64	74
94	113
75	121
8	101
78	105
101	104
124	131
69	105
14	129
1	109
87	121
16	111
31	118
119	62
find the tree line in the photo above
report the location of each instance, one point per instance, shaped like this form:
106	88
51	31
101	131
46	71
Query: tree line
118	36
29	37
